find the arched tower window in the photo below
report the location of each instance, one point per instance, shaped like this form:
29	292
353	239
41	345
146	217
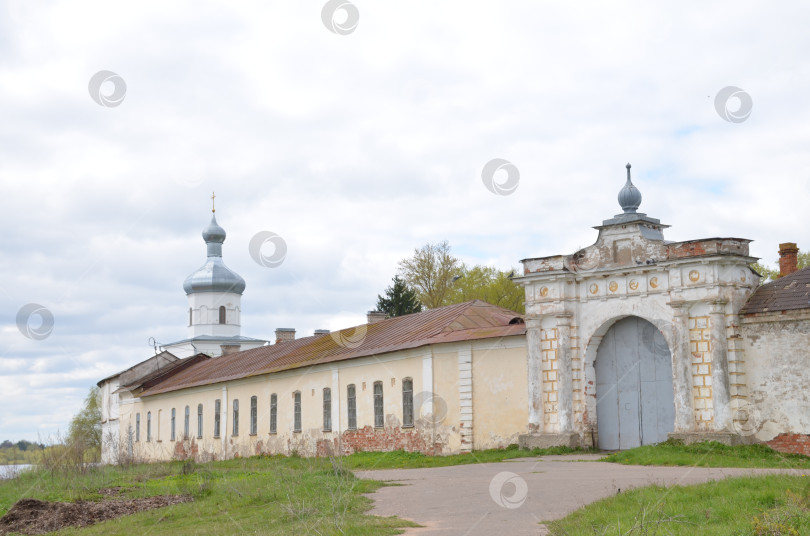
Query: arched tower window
221	314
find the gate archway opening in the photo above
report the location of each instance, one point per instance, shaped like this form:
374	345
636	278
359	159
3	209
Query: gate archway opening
635	403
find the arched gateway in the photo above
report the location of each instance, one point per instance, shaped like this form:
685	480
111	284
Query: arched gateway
634	399
635	337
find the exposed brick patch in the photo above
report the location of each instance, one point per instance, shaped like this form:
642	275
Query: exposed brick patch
791	443
379	439
185	449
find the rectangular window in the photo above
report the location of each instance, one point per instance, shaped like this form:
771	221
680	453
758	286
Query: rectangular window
407	402
327	409
254	410
297	412
199	421
217	416
236	417
137	427
148	426
379	418
186	433
174	413
273	413
351	397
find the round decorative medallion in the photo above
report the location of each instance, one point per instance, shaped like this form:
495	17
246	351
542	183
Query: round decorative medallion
694	275
633	284
594	288
654	282
614	286
544	292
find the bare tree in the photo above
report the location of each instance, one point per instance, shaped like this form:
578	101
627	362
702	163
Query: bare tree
430	272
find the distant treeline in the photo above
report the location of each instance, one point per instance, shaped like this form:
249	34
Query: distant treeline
20	452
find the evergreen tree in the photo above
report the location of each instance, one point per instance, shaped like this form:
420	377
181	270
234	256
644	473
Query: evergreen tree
399	300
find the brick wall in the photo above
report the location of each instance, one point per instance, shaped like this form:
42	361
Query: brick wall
379	439
791	443
700	346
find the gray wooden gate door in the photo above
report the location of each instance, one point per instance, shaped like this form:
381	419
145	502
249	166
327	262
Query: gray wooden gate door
634	399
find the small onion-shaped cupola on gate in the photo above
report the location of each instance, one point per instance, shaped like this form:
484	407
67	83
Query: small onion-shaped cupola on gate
634	395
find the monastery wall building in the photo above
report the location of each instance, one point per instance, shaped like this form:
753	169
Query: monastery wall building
627	342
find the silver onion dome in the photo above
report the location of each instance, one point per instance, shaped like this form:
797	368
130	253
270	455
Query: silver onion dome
214	276
629	196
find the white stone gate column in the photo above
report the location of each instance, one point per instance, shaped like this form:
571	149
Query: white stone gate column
565	378
535	378
681	370
720	382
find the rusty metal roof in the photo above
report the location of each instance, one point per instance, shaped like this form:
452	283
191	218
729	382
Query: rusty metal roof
786	293
461	322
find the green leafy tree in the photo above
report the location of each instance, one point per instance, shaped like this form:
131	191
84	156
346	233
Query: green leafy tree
430	273
488	284
772	274
85	427
399	299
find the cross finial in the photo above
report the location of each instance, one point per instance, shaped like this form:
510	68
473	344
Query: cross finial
628	170
213	198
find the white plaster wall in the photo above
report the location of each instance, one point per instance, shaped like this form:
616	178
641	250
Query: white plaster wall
777	361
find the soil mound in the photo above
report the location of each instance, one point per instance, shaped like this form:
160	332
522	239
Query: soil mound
31	516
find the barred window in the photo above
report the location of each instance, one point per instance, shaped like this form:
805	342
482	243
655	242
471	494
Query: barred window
297	412
221	314
253	414
327	409
351	397
217	416
137	427
173	419
407	402
236	417
379	418
273	413
199	421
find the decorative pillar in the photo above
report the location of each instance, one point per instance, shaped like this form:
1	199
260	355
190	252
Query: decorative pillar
681	370
535	375
565	378
720	380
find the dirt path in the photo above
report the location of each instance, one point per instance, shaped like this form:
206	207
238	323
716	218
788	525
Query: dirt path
512	497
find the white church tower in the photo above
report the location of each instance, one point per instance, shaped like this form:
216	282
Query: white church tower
214	294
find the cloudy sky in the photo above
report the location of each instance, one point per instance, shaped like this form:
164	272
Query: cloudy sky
357	144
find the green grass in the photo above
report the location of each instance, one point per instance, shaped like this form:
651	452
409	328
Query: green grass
773	504
266	495
709	454
269	495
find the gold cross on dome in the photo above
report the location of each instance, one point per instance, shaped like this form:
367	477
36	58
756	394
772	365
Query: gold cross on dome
213	198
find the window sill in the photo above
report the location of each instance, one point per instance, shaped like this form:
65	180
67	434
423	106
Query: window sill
327	431
407	426
199	437
217	437
252	435
272	433
296	431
